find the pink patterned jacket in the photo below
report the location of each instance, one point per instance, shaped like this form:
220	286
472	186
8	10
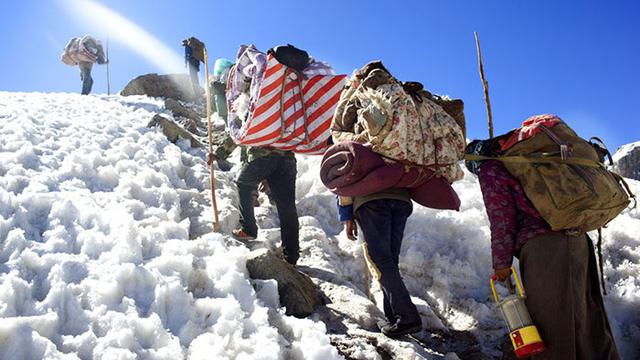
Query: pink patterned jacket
512	217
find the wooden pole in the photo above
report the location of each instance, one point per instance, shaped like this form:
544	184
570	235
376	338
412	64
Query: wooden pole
485	85
216	224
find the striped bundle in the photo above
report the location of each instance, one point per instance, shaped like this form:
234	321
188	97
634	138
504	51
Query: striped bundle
293	110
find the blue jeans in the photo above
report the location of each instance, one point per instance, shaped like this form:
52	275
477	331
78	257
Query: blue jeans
382	222
85	76
280	172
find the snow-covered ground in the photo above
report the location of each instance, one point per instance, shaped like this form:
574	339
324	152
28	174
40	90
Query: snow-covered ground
105	251
624	150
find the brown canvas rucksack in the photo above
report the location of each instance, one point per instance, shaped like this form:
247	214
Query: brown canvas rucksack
564	177
197	48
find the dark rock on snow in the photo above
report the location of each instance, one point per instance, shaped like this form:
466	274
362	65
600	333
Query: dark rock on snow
627	161
173	131
297	293
175	86
182	111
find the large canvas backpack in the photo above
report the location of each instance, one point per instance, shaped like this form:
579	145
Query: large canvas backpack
400	121
566	180
69	51
197	48
86	49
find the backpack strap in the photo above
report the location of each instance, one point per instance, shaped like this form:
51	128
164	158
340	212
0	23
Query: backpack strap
521	159
564	146
626	188
299	78
518	159
599	145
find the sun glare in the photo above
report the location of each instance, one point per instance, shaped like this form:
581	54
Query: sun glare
103	20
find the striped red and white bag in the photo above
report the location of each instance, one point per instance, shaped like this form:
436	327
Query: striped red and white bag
293	110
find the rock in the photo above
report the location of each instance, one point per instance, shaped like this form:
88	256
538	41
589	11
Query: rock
297	293
627	161
175	86
172	130
178	109
189	124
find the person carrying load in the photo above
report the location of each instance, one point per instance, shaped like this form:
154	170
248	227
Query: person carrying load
544	187
84	52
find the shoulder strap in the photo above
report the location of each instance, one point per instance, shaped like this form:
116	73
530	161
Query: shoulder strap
521	159
626	188
599	145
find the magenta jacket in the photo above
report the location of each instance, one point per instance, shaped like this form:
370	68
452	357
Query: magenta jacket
512	217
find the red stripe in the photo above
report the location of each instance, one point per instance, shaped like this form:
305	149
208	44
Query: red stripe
318	94
318	150
326	106
312	82
321	129
312	135
272	67
289	147
265	123
271	102
269	88
273	135
295	98
296	133
325	89
291	119
276	115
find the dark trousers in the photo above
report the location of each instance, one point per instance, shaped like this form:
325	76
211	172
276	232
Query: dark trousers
382	223
194	67
280	172
85	76
560	278
219	100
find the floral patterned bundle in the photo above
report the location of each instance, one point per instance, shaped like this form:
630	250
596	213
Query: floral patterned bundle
399	125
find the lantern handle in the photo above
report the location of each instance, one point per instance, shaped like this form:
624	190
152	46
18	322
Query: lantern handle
517	281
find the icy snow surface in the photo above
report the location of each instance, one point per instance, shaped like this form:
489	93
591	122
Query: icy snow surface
105	251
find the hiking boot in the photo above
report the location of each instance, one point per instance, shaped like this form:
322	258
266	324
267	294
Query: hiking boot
398	329
239	234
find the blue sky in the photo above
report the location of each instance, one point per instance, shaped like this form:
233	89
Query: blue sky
577	59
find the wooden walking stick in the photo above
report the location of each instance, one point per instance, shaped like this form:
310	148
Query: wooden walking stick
485	85
216	224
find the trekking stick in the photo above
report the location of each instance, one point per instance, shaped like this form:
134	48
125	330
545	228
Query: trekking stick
108	79
216	224
485	85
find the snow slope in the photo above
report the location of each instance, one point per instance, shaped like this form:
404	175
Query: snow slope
95	259
105	252
624	150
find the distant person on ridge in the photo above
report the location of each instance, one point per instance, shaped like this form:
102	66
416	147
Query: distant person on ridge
193	55
84	52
